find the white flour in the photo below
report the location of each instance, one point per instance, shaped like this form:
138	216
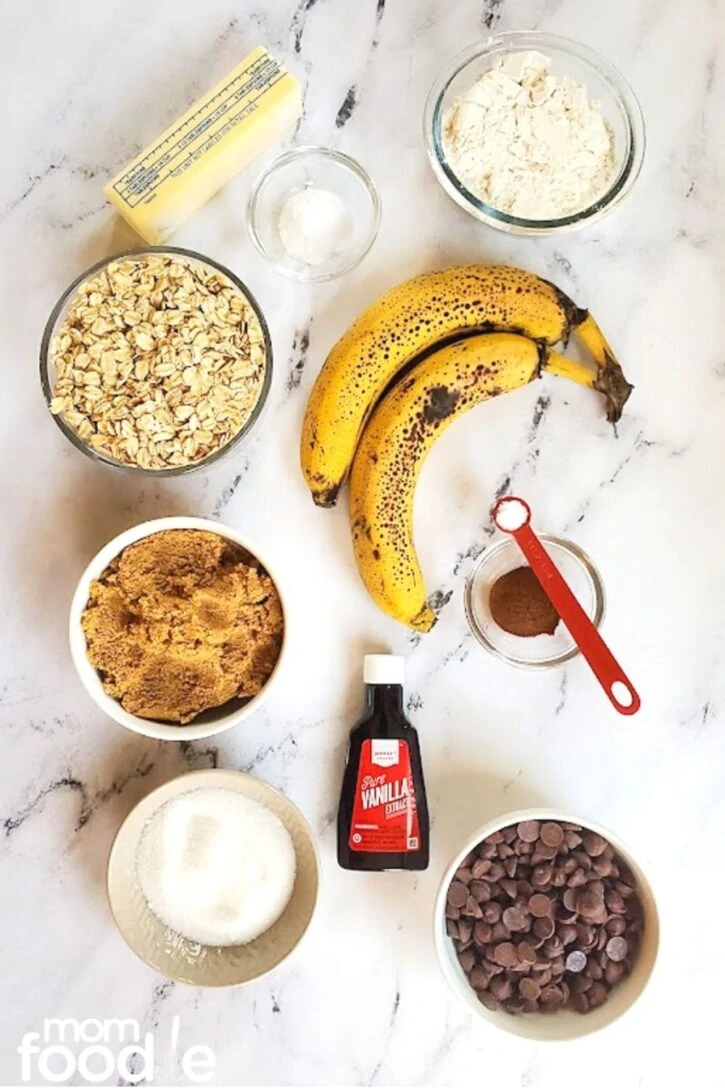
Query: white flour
216	866
528	142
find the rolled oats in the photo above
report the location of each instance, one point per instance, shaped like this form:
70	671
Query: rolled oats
159	361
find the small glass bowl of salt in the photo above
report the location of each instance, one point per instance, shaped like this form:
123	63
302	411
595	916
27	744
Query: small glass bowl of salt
314	213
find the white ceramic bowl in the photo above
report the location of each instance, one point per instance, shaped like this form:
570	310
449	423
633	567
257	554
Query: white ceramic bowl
556	1025
210	722
186	961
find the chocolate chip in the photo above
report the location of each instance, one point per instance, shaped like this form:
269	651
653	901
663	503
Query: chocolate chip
526	952
576	961
505	954
590	904
602	866
488	1000
615	902
566	933
510	887
552	995
553	947
543	927
529	989
481	933
514	919
480	868
586	935
500	932
472	909
580	984
510	865
594	969
492	912
597	995
593	844
457	894
541	875
551	834
452	912
501	988
479	978
617	949
496	872
614	972
570	900
528	831
467	960
505	851
616	927
480	890
540	905
557	968
580	1003
465	931
451	927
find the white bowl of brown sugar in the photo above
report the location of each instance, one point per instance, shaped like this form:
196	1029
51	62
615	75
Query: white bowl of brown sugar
545	925
177	628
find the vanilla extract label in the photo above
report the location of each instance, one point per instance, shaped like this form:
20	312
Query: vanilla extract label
385	817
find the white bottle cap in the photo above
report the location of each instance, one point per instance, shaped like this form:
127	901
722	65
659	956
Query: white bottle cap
383	669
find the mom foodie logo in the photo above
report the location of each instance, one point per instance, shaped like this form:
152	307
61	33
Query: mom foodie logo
98	1050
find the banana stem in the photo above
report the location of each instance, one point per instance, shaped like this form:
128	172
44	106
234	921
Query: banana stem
563	367
609	380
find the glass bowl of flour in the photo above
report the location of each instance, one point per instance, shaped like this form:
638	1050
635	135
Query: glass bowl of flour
534	134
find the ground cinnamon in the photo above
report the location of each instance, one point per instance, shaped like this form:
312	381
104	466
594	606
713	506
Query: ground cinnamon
519	605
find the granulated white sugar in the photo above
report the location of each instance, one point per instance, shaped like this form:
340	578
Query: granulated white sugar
216	866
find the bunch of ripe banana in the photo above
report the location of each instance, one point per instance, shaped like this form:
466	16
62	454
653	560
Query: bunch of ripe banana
421	355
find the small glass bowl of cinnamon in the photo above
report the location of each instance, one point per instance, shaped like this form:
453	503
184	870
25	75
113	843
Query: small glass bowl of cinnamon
518	603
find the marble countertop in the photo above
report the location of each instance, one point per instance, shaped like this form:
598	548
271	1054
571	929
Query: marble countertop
85	85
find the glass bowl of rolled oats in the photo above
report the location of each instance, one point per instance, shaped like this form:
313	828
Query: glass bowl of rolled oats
156	360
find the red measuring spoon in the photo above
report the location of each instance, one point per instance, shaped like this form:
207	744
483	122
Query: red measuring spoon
513	515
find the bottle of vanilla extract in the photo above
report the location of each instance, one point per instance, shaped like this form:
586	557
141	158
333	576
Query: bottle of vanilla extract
382	820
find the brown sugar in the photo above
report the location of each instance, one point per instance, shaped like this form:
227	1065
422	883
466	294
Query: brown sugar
519	605
181	622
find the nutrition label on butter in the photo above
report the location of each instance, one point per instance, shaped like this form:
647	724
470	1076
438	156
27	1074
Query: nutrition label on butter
199	131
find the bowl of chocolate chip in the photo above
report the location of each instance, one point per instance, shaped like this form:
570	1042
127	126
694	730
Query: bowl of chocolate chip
546	926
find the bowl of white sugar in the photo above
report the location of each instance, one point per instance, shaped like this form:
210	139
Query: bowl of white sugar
213	878
534	134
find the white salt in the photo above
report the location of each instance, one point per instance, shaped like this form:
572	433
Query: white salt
216	866
511	514
314	225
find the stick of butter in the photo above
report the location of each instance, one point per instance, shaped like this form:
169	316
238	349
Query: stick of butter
243	115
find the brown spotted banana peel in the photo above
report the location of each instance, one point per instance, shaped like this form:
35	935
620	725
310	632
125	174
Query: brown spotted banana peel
399	436
412	319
